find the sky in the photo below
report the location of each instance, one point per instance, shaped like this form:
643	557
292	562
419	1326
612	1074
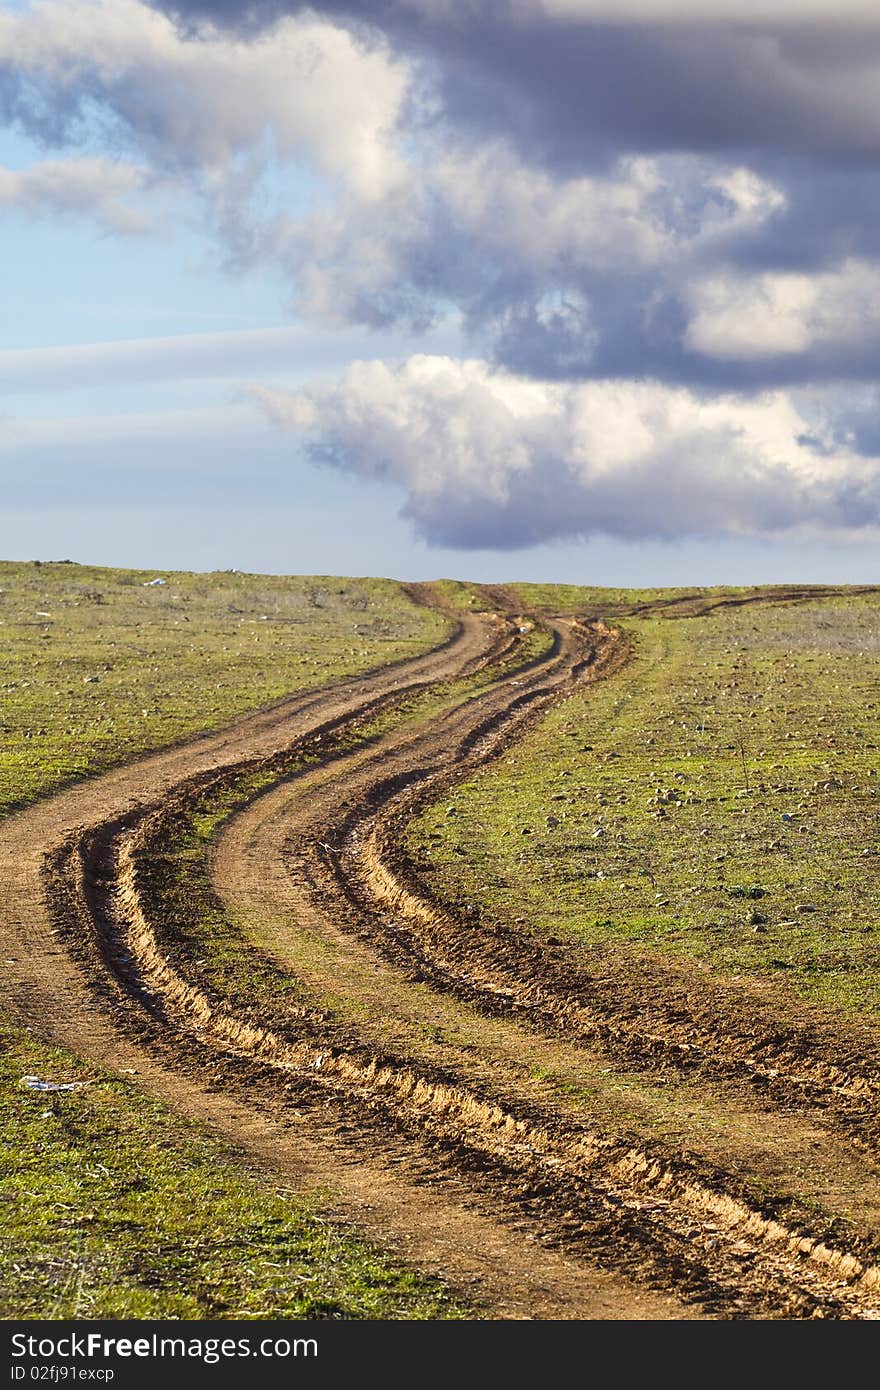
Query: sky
574	290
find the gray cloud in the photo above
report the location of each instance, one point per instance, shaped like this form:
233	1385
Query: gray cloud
659	221
580	180
529	112
568	81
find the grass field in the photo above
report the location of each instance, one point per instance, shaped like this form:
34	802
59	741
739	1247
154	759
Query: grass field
718	800
99	665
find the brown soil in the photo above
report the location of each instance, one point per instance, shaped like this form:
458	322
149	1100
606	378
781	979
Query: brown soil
431	1098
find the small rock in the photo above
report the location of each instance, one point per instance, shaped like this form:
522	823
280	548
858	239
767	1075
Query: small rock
805	907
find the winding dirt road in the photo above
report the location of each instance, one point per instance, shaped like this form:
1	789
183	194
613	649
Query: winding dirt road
558	1141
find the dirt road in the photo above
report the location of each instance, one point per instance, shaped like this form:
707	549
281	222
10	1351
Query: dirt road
457	1082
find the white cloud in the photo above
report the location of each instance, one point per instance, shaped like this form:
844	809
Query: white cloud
741	317
105	189
207	100
532	218
464	224
490	459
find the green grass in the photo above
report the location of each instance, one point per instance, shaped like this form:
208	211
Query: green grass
115	1208
587	600
700	803
459	594
98	666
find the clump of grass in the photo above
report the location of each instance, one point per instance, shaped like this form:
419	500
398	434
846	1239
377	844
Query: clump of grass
115	1208
626	819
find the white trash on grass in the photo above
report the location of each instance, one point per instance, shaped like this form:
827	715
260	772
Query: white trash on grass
34	1083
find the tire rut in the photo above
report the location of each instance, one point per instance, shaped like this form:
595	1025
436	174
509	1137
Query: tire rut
651	1217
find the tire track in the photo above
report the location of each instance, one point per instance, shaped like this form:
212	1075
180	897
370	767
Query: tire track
461	1119
653	1217
642	1012
56	981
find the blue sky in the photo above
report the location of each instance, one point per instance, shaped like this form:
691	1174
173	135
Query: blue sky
404	300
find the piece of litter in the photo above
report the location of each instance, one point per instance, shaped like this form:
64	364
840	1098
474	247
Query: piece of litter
33	1083
151	583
